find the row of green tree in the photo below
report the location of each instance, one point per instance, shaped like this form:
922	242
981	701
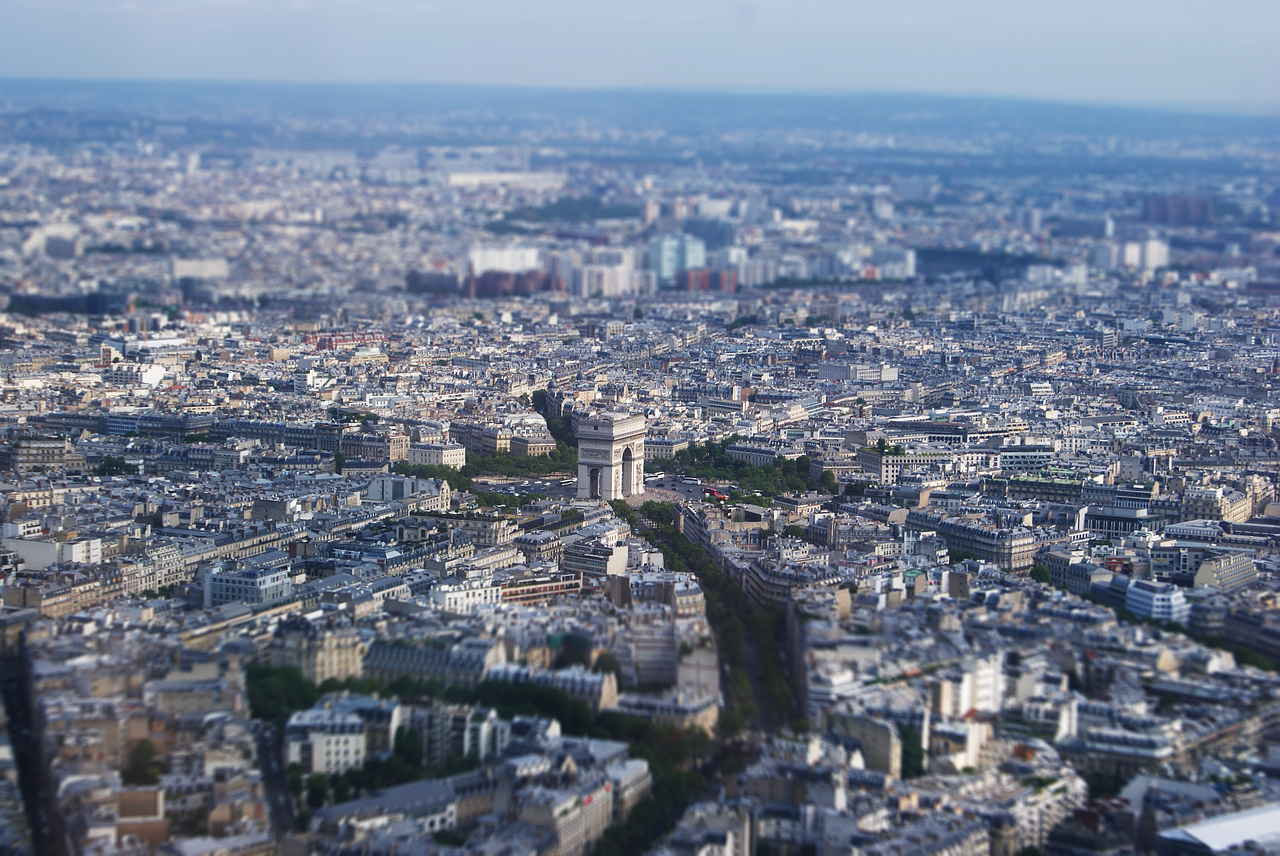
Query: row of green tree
277	692
731	615
560	427
711	461
912	752
672	753
406	764
114	465
563	459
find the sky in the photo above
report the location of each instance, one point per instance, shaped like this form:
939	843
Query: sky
1208	53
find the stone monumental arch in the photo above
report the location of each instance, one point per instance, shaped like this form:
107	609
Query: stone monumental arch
610	455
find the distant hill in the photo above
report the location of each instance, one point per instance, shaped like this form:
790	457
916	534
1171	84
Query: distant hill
677	111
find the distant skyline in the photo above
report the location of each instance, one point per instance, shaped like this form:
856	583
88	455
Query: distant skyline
1170	54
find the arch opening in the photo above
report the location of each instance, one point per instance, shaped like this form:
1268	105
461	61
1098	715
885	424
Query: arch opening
628	472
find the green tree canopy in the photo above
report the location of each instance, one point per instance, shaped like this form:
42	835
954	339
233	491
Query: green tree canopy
606	662
317	790
114	465
912	752
276	692
143	767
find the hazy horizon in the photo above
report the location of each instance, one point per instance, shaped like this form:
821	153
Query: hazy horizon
1181	55
1242	109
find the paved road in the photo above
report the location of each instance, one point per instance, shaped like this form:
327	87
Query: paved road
33	775
671	489
656	494
546	485
275	783
751	664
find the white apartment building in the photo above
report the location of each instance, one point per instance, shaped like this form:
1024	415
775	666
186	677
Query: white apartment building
253	584
978	685
464	597
28	528
40	553
878	373
1161	601
608	531
382	718
324	741
594	558
1022	459
169	563
485	735
438	454
134	374
431	494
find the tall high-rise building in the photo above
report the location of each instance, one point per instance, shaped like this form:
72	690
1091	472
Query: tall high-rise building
1132	254
1030	218
1105	256
671	254
1155	254
716	233
693	253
